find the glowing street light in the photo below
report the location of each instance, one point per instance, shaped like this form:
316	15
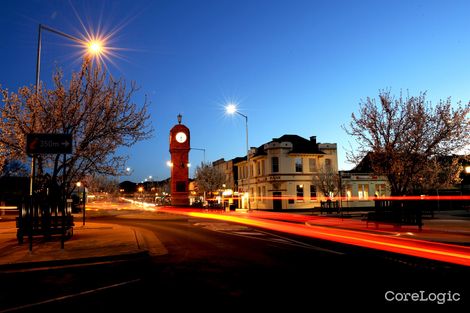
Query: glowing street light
79	184
231	109
93	47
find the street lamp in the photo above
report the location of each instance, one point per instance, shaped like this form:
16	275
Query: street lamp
232	109
141	190
94	48
83	199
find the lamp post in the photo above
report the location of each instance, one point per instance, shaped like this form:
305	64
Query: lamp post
141	190
83	199
93	47
231	109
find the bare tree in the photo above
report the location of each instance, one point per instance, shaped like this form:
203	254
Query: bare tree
208	178
98	111
327	181
407	136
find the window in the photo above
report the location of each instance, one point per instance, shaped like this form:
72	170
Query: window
363	191
349	192
312	165
275	164
258	166
328	164
258	196
313	192
300	192
298	165
263	194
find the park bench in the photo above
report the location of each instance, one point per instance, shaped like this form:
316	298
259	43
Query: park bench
329	206
395	212
39	220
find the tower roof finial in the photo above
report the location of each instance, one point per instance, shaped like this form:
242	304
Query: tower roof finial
179	118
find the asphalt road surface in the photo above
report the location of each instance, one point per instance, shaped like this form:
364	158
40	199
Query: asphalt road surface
223	267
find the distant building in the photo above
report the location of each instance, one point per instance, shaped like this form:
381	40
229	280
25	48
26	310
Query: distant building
280	173
127	187
360	186
228	168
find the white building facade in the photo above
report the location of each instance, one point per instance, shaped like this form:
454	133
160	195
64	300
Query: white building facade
280	173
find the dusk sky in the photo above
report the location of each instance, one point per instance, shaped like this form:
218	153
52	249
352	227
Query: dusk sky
293	67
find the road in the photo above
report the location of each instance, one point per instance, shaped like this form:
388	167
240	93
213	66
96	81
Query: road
222	266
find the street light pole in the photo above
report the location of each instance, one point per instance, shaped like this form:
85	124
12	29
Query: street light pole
92	47
200	149
247	158
231	108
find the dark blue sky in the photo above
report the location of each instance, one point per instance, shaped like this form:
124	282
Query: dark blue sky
294	67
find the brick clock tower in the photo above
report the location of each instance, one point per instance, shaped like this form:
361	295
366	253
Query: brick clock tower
179	150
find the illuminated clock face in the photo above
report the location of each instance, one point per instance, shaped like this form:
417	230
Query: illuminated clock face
180	137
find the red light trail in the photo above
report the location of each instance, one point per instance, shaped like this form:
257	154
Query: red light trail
381	241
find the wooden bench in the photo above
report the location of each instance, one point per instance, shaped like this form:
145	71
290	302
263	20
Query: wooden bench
329	206
53	225
395	214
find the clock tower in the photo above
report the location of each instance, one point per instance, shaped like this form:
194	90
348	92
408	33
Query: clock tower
179	150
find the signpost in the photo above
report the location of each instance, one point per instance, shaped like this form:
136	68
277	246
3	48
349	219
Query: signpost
48	143
39	143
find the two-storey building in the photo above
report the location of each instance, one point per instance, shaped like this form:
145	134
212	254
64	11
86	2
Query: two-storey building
280	173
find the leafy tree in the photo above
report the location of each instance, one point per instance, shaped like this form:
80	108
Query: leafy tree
98	111
407	137
208	178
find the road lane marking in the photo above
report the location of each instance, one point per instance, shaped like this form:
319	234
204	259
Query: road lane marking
30	305
227	228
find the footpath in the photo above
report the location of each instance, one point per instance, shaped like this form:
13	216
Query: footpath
91	243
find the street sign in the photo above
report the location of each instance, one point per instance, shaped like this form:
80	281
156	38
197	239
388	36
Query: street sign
49	143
